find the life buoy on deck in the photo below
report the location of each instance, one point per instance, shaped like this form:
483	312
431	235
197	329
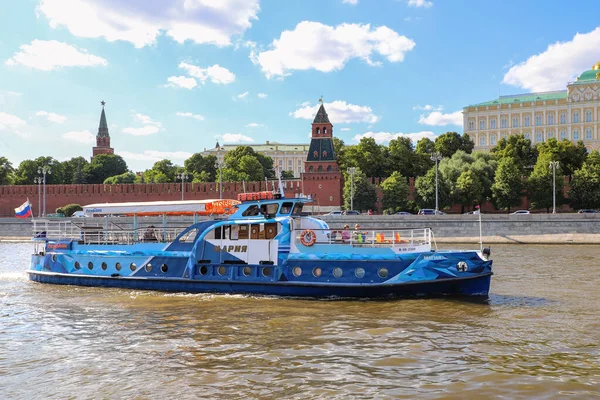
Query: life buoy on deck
308	237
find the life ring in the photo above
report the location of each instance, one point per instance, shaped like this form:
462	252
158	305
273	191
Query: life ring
308	237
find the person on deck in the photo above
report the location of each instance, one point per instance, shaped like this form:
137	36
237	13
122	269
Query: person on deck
150	235
346	235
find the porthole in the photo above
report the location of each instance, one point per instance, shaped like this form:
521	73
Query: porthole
337	272
132	266
266	271
104	266
148	267
77	265
90	265
383	272
297	271
164	268
317	272
359	273
118	266
53	257
203	270
222	270
247	271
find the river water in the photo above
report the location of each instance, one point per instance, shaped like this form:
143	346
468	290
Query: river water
538	336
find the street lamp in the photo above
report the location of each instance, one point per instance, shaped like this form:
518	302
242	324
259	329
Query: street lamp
183	176
43	171
351	171
436	156
38	180
219	164
553	165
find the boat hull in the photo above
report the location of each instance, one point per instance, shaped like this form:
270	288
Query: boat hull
463	286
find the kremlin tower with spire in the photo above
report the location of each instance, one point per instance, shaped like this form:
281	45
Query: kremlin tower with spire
102	138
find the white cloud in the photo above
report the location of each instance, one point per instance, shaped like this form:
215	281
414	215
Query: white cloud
190	115
353	2
12	123
559	64
262	95
241	96
344	129
312	45
254	125
420	3
146	120
154	155
385	137
181	81
52	117
437	118
234	138
47	55
141	22
150	126
339	112
215	73
428	107
85	137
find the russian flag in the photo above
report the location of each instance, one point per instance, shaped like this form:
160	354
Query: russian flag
24	211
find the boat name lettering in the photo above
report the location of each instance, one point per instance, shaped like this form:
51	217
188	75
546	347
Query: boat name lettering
407	249
235	249
434	258
93	210
58	245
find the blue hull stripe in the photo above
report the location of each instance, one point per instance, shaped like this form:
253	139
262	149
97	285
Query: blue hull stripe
472	286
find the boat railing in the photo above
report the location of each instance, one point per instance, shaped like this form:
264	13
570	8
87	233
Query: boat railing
96	233
367	237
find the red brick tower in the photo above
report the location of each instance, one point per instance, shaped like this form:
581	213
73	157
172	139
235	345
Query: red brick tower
102	138
322	178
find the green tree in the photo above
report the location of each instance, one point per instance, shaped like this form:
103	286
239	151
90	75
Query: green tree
28	170
395	192
233	159
469	189
202	167
425	146
539	184
425	190
6	171
507	190
368	156
450	142
127	177
365	193
287	174
165	170
402	157
519	150
104	166
73	170
69	209
585	186
247	168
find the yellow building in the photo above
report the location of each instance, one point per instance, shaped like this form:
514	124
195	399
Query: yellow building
290	157
572	114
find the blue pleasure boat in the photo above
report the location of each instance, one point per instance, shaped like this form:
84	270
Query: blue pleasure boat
266	246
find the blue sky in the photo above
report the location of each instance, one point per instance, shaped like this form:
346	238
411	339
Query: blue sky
178	77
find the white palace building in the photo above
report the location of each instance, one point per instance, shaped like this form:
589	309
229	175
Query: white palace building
572	114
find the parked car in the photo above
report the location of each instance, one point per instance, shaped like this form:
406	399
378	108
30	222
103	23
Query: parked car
79	214
520	212
430	211
403	213
351	212
587	211
336	213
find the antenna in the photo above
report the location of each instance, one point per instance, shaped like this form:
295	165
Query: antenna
480	235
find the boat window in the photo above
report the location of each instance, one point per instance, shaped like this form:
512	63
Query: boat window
266	271
53	257
222	270
383	272
91	265
148	267
104	266
337	272
189	237
132	266
286	208
247	271
243	234
252	211
164	268
359	273
77	265
297	271
118	266
317	272
234	233
203	270
218	232
298	209
271	208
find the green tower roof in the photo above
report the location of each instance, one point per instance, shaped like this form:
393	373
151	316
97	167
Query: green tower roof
321	117
103	127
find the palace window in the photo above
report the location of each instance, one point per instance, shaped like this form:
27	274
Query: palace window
551	119
576	117
492	124
588	116
538	120
588	133
539	137
504	136
481	125
575	134
515	122
503	122
527	136
471	125
482	141
527	121
493	140
551	134
563	134
563	118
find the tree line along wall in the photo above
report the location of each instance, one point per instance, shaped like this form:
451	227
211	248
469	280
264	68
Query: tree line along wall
12	197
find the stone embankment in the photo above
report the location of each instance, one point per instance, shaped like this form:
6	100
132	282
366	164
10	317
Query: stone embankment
496	228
